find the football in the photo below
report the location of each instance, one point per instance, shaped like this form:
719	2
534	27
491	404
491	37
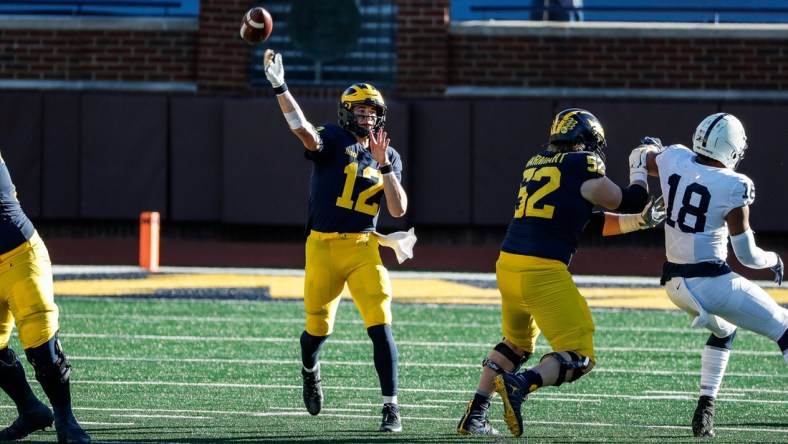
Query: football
256	26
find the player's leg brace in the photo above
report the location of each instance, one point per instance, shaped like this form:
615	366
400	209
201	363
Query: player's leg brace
14	382
52	371
510	355
578	364
481	400
714	361
386	358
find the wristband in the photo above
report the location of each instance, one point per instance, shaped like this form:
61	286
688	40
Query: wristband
280	89
628	223
386	169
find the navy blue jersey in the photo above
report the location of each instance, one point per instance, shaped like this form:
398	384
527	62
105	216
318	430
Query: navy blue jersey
346	187
15	227
551	212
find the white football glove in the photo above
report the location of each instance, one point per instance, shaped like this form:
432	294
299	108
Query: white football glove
637	163
650	217
637	159
274	70
653	214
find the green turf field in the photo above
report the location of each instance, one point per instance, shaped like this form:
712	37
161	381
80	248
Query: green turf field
212	371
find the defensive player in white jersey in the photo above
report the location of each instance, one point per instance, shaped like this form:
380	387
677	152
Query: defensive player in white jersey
707	201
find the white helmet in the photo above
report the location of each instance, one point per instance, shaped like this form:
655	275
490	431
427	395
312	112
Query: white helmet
721	137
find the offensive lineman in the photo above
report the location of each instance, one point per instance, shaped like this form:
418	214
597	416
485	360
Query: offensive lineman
352	164
708	201
559	189
27	297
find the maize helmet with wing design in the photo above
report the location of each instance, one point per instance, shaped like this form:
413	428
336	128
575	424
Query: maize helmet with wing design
361	94
721	137
578	126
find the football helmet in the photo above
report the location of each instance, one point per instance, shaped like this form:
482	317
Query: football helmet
361	94
721	137
577	125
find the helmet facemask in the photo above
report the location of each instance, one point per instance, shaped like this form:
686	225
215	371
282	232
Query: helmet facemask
361	94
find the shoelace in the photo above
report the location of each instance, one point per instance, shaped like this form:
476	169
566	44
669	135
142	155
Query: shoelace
312	385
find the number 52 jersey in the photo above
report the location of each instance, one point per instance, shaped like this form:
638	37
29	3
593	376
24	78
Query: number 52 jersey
698	197
551	212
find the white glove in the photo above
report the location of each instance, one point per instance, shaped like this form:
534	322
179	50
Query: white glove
653	214
637	164
274	70
637	159
650	217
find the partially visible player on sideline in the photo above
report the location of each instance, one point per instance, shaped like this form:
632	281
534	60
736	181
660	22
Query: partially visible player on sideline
559	189
707	202
353	168
27	298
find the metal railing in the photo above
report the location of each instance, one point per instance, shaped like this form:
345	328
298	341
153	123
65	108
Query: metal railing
632	11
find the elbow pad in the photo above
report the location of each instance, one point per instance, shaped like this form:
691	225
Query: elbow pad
633	199
750	254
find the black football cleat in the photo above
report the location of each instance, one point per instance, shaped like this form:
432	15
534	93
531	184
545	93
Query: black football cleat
391	419
72	434
512	388
313	391
475	422
703	419
33	420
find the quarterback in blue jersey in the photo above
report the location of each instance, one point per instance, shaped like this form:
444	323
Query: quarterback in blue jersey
353	168
27	299
557	194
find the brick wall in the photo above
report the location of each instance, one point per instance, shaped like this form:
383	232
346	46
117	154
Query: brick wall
610	62
422	47
222	57
97	55
432	54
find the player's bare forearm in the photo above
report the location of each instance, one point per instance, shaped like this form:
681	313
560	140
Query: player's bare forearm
396	199
301	127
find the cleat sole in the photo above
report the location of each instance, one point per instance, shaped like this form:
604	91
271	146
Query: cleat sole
508	412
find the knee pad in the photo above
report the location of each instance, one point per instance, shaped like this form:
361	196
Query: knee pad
49	361
510	354
577	363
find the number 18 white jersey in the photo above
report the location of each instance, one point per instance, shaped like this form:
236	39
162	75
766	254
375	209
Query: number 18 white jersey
697	199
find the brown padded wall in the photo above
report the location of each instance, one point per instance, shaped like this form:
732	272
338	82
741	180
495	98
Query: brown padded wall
625	123
765	162
61	158
266	177
124	156
196	160
20	146
506	134
105	156
440	185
